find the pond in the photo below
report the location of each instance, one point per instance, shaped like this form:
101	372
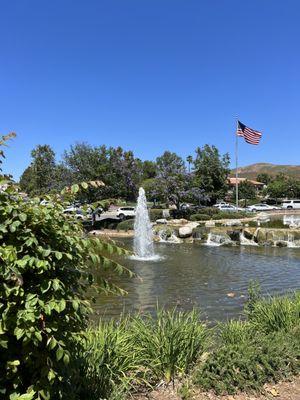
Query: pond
215	279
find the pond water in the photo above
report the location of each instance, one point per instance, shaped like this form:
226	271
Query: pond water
192	275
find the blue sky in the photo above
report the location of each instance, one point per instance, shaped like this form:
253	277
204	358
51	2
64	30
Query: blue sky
150	75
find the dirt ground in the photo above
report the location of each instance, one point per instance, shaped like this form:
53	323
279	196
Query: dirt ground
281	391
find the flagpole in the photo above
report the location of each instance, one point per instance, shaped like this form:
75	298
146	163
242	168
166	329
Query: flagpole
236	167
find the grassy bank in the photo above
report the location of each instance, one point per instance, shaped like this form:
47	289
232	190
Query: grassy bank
137	352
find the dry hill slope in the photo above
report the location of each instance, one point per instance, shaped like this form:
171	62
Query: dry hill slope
251	171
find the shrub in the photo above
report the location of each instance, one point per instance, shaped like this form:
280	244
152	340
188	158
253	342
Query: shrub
155	214
276	223
250	353
211	211
274	314
252	224
199	217
248	364
170	344
44	276
108	362
229	215
126	225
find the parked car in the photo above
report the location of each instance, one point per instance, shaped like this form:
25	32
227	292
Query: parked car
125	212
229	208
262	207
291	204
220	204
76	212
191	207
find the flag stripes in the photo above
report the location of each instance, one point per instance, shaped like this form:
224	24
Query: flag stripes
250	135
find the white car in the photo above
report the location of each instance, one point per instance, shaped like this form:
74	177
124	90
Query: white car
229	208
291	204
222	203
125	212
75	212
262	207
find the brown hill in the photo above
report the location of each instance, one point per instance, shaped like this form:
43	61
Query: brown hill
251	171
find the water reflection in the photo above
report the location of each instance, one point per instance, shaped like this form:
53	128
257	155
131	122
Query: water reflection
195	275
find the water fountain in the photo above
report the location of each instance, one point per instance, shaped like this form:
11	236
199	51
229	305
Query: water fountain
245	241
214	239
143	235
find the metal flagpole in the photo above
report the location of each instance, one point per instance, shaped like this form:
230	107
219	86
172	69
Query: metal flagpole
236	167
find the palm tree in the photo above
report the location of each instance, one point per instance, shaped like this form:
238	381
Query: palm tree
189	160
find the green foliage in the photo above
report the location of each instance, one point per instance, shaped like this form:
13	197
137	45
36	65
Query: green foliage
264	178
108	363
170	344
247	364
211	171
126	225
274	223
283	186
44	276
230	215
247	354
246	191
199	217
39	177
155	214
275	313
211	211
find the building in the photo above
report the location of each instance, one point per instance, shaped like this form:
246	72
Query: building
258	185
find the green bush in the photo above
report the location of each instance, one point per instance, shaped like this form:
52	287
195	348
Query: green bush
126	225
276	313
170	344
211	211
229	215
199	217
108	363
248	364
247	354
252	224
155	214
44	276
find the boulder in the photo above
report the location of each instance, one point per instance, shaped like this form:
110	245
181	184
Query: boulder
280	243
185	231
234	235
200	233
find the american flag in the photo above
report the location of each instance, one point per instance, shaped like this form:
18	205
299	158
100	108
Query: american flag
250	135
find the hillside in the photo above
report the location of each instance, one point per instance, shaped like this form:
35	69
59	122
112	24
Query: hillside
251	171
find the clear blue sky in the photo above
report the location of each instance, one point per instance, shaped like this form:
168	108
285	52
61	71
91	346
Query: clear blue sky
150	75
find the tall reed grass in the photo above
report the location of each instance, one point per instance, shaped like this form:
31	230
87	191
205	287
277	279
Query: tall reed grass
137	352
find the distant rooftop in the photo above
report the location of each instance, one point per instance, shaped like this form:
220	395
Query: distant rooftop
232	181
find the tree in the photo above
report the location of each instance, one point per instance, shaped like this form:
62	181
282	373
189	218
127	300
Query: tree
27	182
171	177
283	186
189	160
149	169
264	178
39	177
246	191
118	169
211	171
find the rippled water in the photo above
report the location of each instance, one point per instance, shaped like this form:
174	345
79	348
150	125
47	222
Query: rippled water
191	275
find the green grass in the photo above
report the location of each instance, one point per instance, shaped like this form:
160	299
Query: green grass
273	224
136	352
169	344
